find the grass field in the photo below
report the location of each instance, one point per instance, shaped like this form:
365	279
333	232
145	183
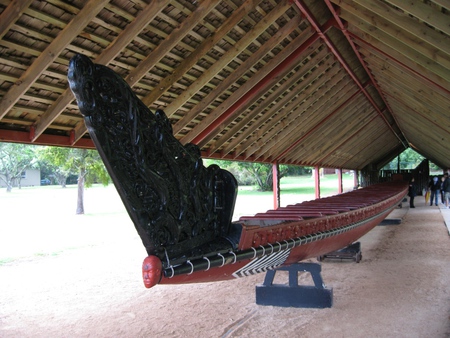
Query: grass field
41	221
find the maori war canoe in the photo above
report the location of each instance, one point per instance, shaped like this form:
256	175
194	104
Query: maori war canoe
183	210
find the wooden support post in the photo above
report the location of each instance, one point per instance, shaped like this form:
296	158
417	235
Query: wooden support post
317	181
276	185
340	187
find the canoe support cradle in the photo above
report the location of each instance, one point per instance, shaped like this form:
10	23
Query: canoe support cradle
293	294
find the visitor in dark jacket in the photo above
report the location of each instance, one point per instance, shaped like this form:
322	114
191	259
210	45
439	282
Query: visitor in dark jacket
412	192
435	187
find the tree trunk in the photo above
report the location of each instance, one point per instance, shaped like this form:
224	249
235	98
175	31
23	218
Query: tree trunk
8	182
80	200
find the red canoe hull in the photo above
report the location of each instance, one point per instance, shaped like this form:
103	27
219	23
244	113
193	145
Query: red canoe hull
267	241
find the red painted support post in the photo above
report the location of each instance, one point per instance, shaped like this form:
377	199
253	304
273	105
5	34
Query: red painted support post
340	187
317	181
276	186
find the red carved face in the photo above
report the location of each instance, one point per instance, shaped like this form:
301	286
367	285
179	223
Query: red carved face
151	271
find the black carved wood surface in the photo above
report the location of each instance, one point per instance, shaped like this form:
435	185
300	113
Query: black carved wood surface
175	202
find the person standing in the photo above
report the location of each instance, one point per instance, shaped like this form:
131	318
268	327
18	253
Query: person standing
435	188
441	191
447	192
412	192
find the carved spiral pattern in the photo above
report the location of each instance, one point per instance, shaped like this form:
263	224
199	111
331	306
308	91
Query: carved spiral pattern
170	196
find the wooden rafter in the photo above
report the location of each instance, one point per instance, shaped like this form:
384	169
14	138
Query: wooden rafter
108	54
44	59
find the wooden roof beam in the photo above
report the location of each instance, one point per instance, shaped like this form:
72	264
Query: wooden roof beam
231	54
379	50
301	5
107	55
423	32
267	112
53	50
351	116
229	81
268	135
432	122
401	50
198	53
376	141
316	126
424	13
344	30
161	50
321	95
350	136
287	63
45	139
11	14
413	92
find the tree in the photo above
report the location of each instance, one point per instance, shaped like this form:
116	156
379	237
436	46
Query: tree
246	173
409	159
263	173
54	160
86	163
14	159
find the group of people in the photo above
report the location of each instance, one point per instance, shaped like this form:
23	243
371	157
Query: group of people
436	187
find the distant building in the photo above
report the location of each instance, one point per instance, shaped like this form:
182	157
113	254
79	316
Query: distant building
30	178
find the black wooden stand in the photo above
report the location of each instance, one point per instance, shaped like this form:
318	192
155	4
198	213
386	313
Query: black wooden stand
294	295
352	252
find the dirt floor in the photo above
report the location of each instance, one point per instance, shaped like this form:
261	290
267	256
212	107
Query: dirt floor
401	288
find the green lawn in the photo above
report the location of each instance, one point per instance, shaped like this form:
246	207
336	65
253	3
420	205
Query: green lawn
294	189
41	221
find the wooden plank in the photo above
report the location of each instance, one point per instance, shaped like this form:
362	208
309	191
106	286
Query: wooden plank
306	117
399	31
425	13
311	103
231	54
264	109
407	24
325	131
392	57
397	80
171	41
231	80
338	128
277	111
277	139
198	53
107	55
47	56
401	52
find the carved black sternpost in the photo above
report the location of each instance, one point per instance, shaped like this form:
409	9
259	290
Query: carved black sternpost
176	203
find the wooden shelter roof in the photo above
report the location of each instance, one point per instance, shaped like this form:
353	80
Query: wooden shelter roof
329	83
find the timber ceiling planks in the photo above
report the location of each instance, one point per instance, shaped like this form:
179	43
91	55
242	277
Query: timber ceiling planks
333	83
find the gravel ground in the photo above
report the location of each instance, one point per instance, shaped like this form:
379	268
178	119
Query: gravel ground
400	288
